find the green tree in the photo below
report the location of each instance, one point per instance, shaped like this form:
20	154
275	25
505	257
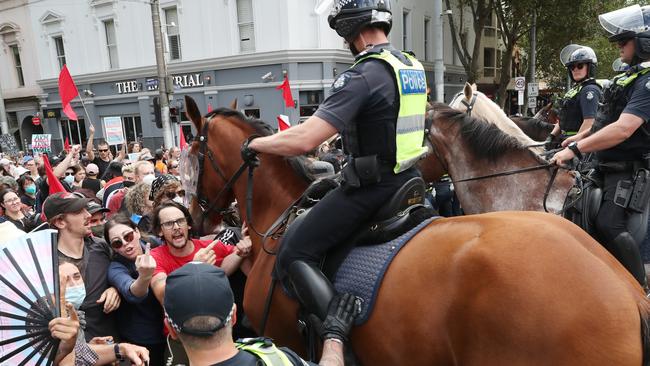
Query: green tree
481	12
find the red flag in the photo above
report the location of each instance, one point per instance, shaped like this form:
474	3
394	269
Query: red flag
52	180
283	122
68	91
183	143
286	93
66	144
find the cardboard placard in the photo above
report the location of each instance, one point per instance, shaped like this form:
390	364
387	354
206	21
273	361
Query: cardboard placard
8	144
42	143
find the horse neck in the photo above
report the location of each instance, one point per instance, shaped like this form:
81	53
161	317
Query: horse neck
522	191
275	187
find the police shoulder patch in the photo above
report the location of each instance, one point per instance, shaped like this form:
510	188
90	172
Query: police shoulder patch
590	95
340	82
647	84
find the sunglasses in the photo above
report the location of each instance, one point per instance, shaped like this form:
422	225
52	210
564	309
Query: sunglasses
576	66
173	166
172	195
102	150
69	173
117	243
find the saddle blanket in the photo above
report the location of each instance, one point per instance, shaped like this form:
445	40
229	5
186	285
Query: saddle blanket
361	273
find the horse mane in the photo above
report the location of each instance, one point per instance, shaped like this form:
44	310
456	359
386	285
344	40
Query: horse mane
538	123
483	138
299	164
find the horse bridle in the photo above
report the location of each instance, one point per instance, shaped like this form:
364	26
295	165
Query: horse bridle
470	107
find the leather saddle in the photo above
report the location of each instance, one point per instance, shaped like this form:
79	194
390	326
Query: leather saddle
583	206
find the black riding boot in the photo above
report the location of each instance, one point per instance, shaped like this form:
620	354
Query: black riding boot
627	252
313	290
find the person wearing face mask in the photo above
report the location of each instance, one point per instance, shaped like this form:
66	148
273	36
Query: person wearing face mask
378	106
166	188
67	214
27	191
98	351
140	317
97	218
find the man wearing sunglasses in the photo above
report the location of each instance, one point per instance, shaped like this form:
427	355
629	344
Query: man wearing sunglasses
68	214
579	105
620	137
104	159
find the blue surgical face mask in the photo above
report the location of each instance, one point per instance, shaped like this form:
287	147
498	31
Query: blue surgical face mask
69	179
31	189
75	295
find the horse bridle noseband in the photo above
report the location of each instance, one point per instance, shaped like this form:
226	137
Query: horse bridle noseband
468	111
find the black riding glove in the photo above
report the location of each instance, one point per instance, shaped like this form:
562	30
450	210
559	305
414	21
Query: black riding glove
549	143
340	316
247	154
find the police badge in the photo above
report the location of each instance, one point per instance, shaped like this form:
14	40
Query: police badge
340	82
590	95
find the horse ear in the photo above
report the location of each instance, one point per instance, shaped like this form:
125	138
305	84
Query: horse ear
233	104
192	112
474	87
467	90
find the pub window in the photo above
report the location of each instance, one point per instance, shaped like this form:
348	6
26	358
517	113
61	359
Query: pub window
309	101
173	36
75	131
60	51
246	25
111	43
18	64
132	128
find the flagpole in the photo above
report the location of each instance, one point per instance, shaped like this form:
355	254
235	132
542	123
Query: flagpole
85	110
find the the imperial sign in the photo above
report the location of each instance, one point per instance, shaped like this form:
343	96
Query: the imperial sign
180	82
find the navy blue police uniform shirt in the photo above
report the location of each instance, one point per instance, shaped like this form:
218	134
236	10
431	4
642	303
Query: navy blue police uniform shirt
589	98
363	89
639	98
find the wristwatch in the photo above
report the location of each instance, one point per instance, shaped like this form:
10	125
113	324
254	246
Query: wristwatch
118	355
574	147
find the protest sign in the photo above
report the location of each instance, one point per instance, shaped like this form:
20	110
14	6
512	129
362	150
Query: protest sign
113	130
8	144
42	143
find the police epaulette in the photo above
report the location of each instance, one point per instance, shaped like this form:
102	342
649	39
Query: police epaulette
250	341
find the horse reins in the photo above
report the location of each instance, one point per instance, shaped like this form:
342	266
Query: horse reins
470	107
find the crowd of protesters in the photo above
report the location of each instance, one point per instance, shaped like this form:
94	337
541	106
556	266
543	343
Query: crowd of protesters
123	228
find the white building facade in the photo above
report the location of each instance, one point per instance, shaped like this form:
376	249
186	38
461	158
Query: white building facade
216	51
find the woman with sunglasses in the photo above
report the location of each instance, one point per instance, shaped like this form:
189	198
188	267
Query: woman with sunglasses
579	105
140	318
166	188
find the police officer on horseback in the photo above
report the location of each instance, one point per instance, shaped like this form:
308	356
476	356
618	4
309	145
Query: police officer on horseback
579	105
621	138
378	105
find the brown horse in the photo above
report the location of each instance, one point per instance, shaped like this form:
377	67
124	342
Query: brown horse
505	288
539	126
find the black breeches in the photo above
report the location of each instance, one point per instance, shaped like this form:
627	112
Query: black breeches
336	218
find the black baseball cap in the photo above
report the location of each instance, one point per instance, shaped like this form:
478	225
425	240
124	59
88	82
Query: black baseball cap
198	289
63	202
94	207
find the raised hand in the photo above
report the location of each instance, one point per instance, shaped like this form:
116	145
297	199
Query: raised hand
91	129
111	299
244	246
145	264
207	254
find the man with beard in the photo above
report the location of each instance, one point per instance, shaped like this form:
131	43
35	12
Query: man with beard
67	213
172	222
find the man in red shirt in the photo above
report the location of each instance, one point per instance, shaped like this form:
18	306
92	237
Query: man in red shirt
172	222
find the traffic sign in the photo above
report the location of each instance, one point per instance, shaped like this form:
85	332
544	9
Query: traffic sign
532	102
520	84
520	97
533	89
36	120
